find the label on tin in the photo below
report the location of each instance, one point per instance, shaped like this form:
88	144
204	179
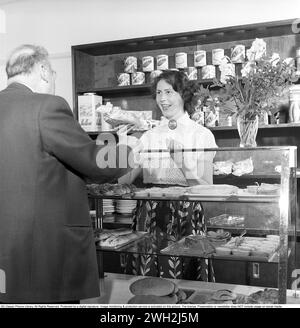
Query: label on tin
217	56
238	54
138	78
162	62
130	64
181	60
199	58
208	72
192	73
123	79
148	63
154	74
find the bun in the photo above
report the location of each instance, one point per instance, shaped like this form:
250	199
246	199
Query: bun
152	286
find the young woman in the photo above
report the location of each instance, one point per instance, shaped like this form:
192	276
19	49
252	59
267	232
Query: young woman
163	164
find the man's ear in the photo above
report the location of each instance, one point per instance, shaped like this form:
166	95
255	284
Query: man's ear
44	73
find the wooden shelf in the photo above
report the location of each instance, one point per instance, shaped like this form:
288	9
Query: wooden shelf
128	89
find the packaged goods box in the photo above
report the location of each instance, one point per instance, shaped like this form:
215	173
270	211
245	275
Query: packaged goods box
88	116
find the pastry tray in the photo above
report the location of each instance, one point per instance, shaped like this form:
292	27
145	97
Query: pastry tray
138	235
178	249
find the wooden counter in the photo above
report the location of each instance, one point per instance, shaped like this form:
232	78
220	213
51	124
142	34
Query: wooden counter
115	289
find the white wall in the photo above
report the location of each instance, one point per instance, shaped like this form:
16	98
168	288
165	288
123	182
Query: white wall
59	24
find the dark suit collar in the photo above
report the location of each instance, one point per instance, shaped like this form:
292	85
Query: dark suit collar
19	87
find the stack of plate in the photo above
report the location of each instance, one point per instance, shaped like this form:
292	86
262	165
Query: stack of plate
108	206
125	206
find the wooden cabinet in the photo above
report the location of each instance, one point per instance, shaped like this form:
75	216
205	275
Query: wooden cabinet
95	66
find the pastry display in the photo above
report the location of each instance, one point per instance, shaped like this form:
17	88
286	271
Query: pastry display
222	167
260	247
108	189
243	167
269	189
216	189
227	220
218	236
266	296
114	238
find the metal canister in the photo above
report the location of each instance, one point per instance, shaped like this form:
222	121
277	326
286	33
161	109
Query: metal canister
238	54
191	73
154	74
294	110
227	71
138	78
130	64
208	72
162	62
199	58
181	60
123	79
148	63
217	56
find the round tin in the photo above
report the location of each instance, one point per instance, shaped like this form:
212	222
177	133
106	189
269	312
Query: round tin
238	54
130	64
208	72
199	58
138	78
162	62
192	73
217	56
123	79
181	60
226	71
148	63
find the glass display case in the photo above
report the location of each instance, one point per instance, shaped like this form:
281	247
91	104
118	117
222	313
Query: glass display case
248	214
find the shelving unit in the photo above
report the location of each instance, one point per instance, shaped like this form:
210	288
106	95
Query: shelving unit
95	67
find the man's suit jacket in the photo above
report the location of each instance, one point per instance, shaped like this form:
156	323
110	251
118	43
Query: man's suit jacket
47	249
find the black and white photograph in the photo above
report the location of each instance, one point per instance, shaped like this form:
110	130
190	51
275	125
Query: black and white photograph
149	157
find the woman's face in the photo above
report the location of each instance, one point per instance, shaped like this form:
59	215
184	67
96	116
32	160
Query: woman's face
169	101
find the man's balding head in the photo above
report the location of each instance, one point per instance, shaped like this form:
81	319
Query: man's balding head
23	59
30	65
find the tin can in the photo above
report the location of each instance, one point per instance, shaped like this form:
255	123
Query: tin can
227	71
130	64
162	62
148	63
181	60
191	73
123	79
208	72
289	61
294	110
154	74
138	78
217	56
199	58
238	54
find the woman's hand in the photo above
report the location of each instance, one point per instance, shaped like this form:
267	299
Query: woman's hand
176	152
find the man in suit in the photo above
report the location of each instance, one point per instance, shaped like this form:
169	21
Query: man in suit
47	251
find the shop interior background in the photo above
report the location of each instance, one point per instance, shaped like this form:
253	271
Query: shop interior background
59	24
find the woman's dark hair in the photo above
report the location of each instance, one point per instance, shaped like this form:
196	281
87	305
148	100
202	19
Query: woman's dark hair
181	84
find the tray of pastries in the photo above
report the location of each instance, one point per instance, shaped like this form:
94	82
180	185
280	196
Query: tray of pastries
111	239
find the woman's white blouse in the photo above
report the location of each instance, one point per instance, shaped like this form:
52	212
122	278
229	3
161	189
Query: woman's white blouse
159	167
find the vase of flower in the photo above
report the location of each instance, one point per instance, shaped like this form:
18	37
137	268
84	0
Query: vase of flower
247	129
